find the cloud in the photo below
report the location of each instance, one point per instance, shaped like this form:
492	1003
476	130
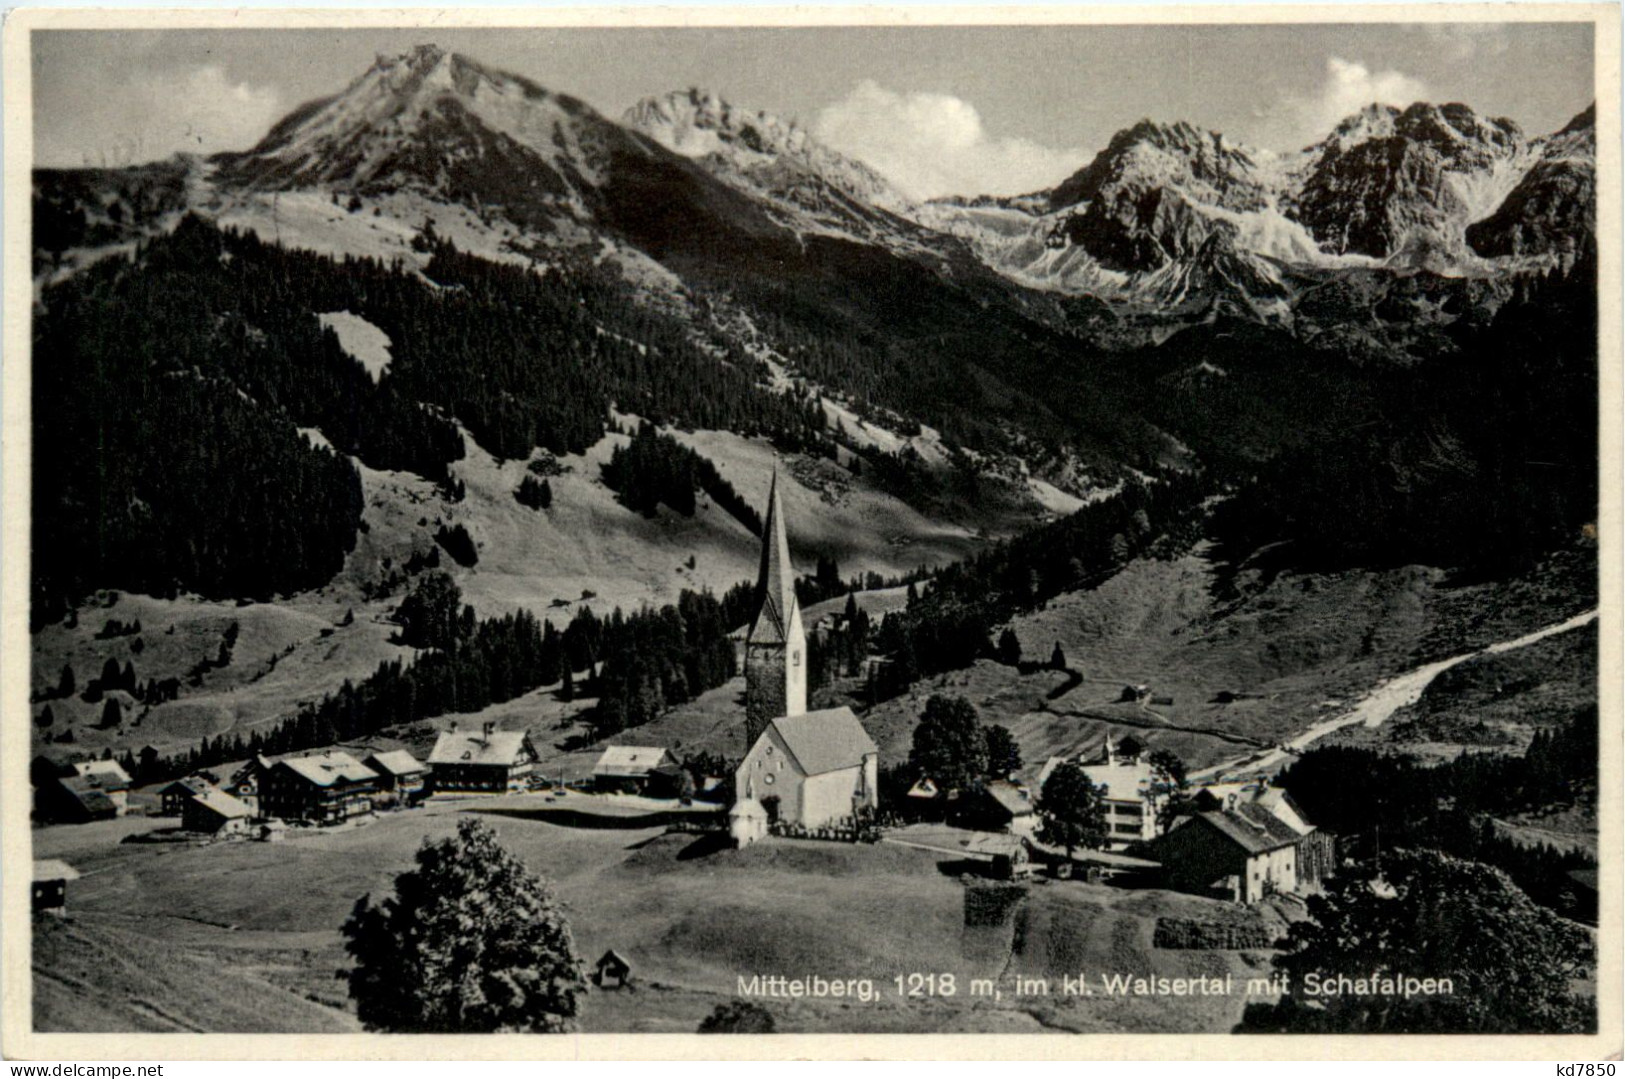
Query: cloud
1348	87
1468	40
935	144
199	110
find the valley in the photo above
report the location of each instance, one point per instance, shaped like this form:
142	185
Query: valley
454	405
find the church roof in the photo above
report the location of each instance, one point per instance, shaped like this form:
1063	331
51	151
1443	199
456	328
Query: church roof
775	576
826	740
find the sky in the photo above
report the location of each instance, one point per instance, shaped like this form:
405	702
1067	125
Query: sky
938	110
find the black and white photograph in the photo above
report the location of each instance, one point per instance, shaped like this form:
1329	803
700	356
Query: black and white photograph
815	528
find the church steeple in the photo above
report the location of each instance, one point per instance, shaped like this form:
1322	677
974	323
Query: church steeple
775	579
776	646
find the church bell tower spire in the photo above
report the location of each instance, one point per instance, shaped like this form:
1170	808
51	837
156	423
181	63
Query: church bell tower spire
776	646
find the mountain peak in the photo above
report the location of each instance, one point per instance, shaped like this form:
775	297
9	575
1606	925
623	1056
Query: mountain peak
416	118
1585	121
758	149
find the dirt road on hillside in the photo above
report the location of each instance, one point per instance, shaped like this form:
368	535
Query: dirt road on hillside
1376	707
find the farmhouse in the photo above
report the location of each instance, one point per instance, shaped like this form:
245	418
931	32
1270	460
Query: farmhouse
999	806
325	788
399	774
111	774
482	760
214	812
174	796
813	769
1315	853
78	799
1242	854
51	885
627	769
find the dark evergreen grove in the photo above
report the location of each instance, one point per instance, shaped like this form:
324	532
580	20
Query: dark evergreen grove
655	469
190	366
1376	801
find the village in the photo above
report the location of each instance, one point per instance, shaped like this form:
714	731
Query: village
802	776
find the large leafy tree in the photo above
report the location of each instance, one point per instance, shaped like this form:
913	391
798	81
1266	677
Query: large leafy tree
1003	753
1072	809
1512	963
949	745
471	942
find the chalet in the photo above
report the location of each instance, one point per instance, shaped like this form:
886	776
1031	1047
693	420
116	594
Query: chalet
627	769
174	796
925	790
812	769
483	760
51	885
400	774
110	778
1316	856
612	966
1243	854
999	806
111	774
214	812
325	788
244	784
77	799
1133	800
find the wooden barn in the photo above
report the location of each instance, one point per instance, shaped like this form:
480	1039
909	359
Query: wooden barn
51	885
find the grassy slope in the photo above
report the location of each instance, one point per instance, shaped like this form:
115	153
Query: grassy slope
294	650
1302	647
264	920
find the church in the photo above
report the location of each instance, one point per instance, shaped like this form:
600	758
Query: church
804	768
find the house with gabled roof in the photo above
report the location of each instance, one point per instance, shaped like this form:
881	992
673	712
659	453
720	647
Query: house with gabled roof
399	774
627	769
483	760
1243	853
50	891
244	784
112	773
812	769
78	798
174	796
324	788
214	812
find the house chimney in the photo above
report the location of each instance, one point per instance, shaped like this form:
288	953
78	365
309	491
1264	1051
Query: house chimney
489	729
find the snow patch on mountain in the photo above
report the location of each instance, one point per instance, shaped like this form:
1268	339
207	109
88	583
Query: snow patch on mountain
360	339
